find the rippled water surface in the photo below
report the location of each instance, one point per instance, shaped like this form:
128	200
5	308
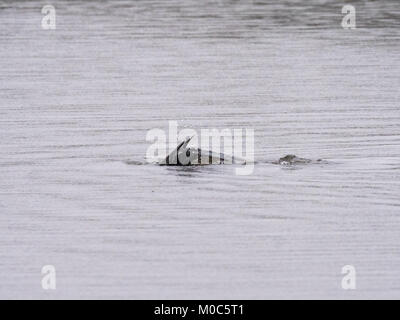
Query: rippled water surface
76	104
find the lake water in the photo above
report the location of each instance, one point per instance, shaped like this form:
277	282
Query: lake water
77	102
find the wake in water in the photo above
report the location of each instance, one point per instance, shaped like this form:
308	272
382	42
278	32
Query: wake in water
136	162
289	160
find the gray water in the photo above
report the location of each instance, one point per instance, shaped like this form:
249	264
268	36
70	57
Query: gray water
77	102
